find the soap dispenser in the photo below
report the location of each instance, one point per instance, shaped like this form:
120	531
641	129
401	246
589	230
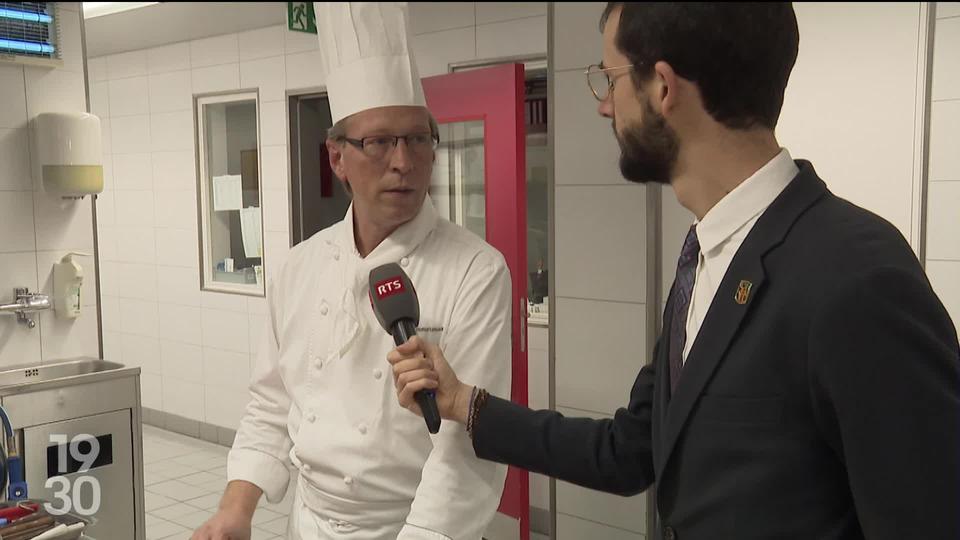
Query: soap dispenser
67	280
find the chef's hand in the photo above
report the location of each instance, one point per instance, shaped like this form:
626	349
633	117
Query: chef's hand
233	521
224	525
419	365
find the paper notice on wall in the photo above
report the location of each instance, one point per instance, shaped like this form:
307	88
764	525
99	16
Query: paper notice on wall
227	192
250	226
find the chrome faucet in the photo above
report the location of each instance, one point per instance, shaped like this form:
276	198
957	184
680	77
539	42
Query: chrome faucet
24	303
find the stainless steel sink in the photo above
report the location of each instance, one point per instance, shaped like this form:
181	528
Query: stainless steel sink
32	374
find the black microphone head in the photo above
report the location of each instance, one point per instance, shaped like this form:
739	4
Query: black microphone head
392	296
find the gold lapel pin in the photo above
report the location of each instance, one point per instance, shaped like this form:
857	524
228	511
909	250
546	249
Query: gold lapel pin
743	292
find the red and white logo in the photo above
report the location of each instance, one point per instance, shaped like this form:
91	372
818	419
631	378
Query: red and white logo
389	287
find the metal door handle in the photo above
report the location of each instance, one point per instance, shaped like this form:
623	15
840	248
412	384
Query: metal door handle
523	324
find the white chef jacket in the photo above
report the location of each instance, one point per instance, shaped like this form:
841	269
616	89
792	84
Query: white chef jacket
323	394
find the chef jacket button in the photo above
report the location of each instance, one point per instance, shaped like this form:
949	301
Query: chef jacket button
311	418
404	261
324	310
348	480
362	428
336	256
377	373
306	467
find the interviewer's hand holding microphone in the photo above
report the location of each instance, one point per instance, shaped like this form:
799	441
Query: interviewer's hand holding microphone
419	365
421	373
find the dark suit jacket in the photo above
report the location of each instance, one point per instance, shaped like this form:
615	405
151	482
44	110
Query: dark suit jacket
827	406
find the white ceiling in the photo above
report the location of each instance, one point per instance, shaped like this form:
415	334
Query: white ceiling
96	9
170	22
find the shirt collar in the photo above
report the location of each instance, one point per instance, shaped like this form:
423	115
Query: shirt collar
400	243
745	202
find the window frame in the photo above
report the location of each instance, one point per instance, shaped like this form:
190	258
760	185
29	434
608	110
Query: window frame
204	201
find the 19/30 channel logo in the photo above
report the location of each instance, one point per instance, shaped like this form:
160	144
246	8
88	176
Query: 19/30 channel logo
71	456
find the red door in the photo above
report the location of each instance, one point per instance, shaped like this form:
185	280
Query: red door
480	183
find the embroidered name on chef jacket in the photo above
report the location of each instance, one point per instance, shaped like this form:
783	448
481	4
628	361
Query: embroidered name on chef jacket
423	329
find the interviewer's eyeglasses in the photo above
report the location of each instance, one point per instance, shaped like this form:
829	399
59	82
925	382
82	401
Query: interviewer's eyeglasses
599	80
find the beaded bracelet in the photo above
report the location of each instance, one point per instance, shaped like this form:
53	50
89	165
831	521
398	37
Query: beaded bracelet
470	411
476	403
473	396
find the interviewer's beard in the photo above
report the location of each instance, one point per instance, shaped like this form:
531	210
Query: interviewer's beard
648	149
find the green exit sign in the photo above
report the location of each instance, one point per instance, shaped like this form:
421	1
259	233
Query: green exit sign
300	17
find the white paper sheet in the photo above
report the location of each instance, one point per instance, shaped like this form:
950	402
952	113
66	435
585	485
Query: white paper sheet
227	192
250	227
63	531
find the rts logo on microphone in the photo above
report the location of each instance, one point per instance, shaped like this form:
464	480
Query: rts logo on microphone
389	287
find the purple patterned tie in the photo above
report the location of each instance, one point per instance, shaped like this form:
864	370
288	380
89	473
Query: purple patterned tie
683	291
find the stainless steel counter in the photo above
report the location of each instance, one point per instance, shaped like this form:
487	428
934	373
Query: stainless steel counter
57	410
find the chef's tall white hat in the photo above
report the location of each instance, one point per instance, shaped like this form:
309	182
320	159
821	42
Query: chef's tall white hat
367	58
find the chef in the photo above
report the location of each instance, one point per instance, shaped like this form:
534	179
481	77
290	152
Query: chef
322	394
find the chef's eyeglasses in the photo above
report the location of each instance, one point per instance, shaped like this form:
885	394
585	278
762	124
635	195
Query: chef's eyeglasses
380	146
599	80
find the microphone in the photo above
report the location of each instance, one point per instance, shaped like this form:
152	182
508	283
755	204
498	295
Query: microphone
394	302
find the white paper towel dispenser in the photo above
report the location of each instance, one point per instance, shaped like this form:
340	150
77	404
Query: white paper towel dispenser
68	155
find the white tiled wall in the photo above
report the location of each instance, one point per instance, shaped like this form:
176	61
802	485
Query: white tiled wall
580	113
155	315
508	38
428	17
452	32
943	191
38	229
493	12
600	228
436	50
600	344
574	528
948	9
602	232
850	106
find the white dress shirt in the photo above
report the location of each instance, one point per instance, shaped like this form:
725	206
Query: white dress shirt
323	395
721	233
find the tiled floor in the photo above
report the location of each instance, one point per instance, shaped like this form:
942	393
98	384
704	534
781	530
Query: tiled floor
184	479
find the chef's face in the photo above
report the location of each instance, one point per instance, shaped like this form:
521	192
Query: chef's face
388	182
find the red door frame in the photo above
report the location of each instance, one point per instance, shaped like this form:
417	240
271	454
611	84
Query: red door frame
496	96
